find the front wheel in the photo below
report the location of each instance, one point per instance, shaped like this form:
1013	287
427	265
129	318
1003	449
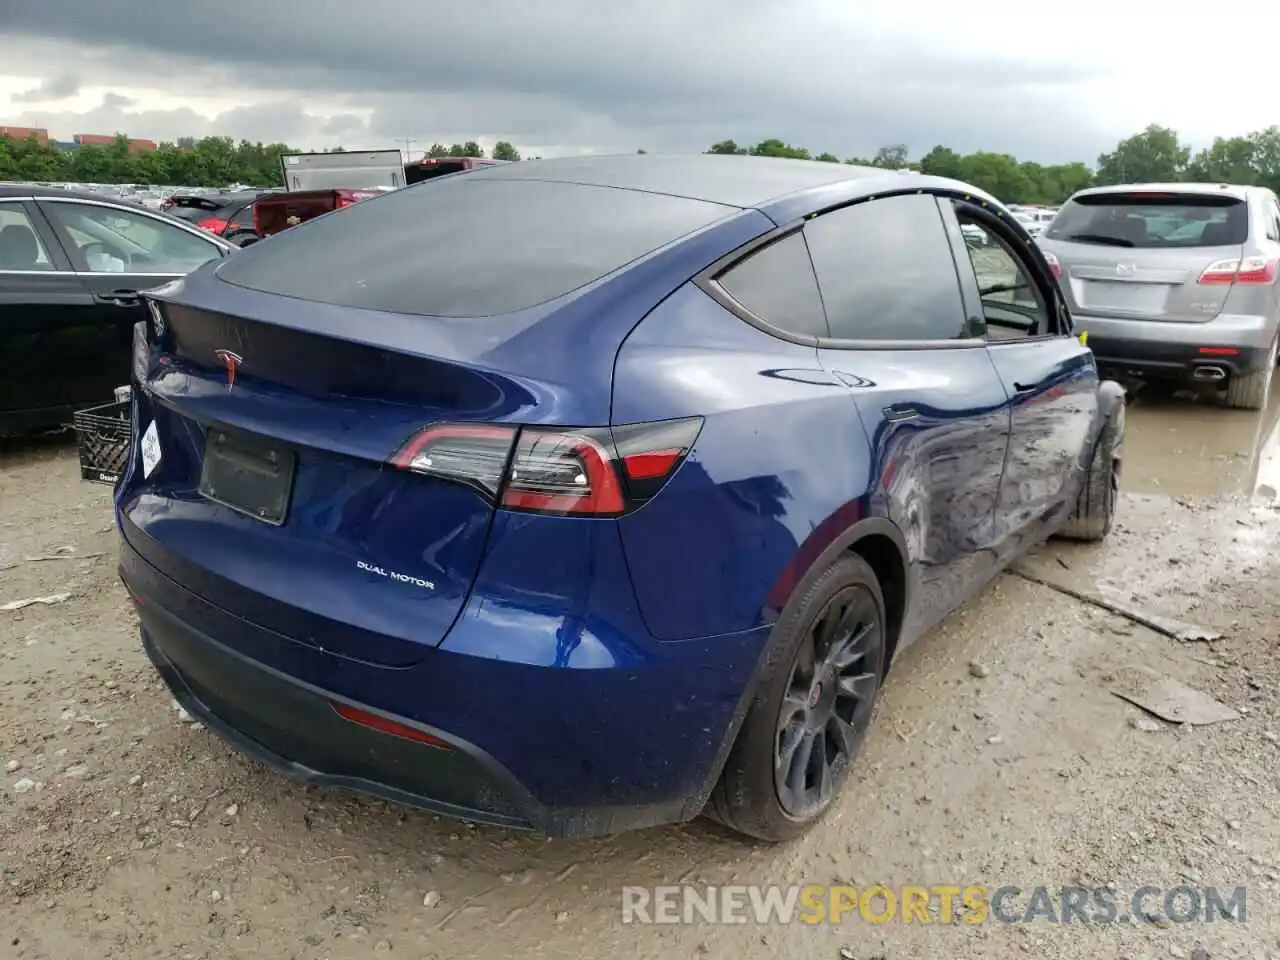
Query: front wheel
812	708
1095	511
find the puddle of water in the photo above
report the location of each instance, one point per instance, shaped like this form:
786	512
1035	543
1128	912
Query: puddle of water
1185	445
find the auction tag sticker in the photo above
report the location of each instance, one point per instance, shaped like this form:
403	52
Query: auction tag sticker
150	450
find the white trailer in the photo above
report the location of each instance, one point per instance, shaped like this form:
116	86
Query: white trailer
348	170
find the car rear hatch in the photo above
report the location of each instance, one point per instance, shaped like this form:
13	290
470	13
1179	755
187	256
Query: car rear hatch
277	212
204	212
288	396
1150	254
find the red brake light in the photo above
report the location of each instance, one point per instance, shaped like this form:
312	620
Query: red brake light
348	197
1247	270
1054	265
646	466
213	224
592	471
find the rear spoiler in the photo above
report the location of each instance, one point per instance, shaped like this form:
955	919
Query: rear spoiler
204	203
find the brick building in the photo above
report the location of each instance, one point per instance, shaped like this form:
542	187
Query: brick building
103	140
25	133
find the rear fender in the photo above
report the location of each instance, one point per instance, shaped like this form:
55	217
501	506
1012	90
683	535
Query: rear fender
842	543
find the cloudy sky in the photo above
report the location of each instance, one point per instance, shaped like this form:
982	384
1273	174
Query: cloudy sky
1048	82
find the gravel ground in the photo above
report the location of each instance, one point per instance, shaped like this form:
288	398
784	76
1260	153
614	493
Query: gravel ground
998	756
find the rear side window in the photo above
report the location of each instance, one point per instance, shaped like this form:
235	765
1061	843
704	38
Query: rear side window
466	246
777	284
886	271
1153	220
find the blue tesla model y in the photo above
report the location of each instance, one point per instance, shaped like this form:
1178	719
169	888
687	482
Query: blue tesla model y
583	495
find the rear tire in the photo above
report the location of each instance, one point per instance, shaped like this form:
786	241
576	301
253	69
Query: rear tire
1250	392
812	708
1095	511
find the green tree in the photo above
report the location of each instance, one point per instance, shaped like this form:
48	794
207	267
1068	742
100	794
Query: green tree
1231	160
827	158
437	150
726	147
1153	156
776	148
1266	157
998	174
505	150
942	162
893	157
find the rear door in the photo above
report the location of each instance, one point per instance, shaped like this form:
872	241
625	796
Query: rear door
1048	376
929	398
52	335
117	253
1149	254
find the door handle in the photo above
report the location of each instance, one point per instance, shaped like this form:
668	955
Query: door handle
1024	387
125	298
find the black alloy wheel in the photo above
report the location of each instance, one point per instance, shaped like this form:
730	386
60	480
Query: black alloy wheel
827	708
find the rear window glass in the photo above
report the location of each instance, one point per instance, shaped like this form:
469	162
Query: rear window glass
1154	221
467	247
193	208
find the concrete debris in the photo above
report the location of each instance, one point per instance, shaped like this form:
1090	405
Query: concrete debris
48	601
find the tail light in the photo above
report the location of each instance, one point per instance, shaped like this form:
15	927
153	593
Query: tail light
257	220
1054	265
213	224
348	197
1246	270
594	471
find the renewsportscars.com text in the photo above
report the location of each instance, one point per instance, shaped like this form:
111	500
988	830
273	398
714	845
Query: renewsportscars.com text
938	903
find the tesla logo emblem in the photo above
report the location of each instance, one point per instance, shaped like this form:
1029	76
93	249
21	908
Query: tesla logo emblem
1126	269
232	362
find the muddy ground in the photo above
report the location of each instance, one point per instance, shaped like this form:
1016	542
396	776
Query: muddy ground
126	832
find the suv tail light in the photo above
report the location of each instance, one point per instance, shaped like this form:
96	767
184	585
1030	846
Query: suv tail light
346	198
213	224
1054	265
1247	270
593	471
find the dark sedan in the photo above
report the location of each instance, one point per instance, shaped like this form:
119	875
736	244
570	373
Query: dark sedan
71	267
227	215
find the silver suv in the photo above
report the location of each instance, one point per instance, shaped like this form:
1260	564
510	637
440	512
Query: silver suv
1175	280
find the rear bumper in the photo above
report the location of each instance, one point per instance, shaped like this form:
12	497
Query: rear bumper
294	728
566	752
1238	344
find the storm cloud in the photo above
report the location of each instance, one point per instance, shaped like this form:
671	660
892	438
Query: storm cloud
576	75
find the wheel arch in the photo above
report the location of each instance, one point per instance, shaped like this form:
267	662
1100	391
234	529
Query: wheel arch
880	543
